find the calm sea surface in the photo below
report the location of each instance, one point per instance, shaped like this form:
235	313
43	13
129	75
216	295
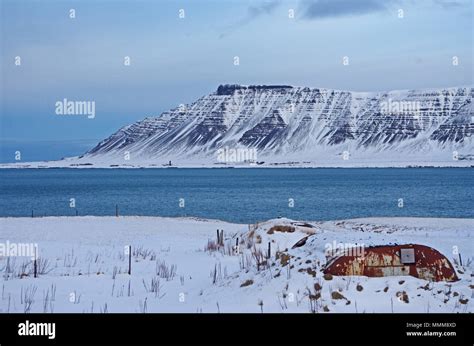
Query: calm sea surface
240	195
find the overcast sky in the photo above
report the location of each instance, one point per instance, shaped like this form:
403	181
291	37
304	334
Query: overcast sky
177	60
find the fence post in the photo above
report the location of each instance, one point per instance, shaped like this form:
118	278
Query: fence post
269	250
116	210
130	260
35	265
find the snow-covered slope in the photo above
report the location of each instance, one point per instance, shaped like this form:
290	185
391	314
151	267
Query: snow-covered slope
301	126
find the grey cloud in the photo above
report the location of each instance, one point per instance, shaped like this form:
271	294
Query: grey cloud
448	4
320	9
253	12
317	9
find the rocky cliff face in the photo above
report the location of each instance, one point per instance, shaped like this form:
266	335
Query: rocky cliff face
283	120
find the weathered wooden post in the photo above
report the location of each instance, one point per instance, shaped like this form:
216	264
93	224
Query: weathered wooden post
130	260
116	210
269	250
222	237
288	266
35	265
218	242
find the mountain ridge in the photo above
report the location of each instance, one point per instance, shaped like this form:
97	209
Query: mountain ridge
283	119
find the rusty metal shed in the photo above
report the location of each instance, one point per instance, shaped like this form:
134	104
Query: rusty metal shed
419	261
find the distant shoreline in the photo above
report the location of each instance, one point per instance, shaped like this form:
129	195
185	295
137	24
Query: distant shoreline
276	165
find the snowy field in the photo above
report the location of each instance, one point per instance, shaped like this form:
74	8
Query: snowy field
177	266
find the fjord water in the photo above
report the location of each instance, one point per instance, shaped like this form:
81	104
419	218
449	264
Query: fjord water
240	195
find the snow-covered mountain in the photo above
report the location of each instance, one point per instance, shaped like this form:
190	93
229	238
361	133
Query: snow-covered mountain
289	123
281	125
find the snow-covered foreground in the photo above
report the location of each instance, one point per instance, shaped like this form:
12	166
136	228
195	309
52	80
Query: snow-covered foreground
178	267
